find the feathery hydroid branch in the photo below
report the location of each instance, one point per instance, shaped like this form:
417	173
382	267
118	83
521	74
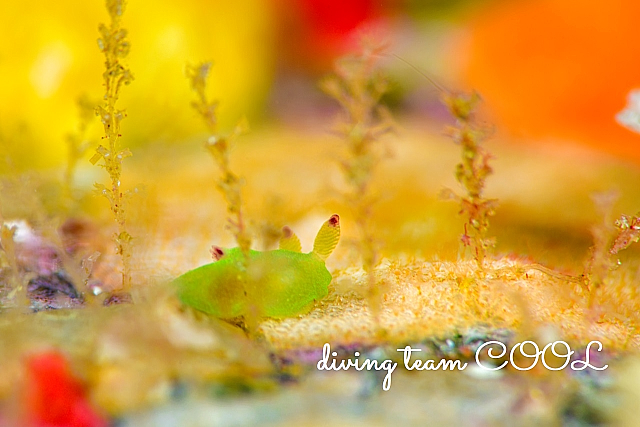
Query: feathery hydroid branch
219	146
472	173
114	45
358	85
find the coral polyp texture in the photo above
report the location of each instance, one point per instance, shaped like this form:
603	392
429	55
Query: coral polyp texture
423	299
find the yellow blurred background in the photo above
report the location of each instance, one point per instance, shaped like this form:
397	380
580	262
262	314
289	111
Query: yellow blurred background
49	57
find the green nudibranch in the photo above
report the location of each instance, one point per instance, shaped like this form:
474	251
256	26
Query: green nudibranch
279	283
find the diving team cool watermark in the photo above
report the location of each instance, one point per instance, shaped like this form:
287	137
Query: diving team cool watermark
559	349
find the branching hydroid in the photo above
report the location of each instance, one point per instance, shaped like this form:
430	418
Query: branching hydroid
358	85
115	46
219	147
471	173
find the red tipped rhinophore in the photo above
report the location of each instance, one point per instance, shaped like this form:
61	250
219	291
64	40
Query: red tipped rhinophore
216	253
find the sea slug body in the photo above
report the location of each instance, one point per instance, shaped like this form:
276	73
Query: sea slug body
279	283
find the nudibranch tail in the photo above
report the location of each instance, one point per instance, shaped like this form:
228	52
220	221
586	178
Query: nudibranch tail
327	237
289	241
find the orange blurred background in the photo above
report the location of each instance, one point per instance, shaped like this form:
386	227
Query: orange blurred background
551	69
